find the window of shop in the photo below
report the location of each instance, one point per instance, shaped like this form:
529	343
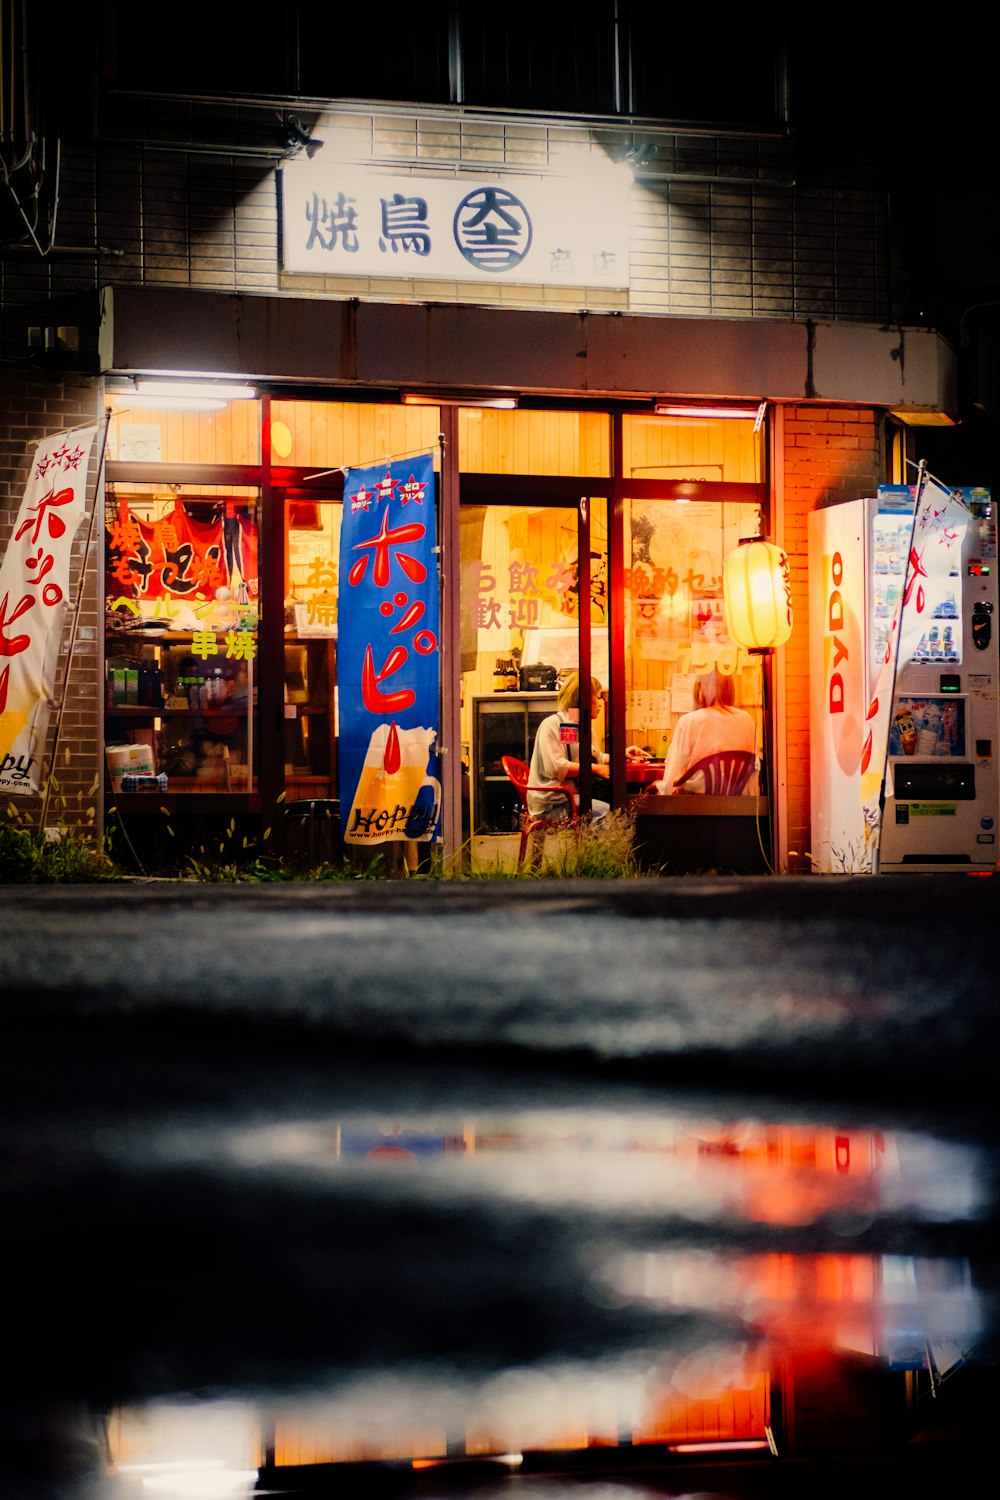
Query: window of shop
567	443
188	665
523	595
182	601
182	611
311	600
206	431
675	628
524	569
330	435
208	547
695	702
312	444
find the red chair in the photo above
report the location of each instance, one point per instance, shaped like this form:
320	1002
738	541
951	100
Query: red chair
726	773
532	823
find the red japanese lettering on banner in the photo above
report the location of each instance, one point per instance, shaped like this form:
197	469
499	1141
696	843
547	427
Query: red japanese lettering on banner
382	544
44	512
416	612
11	645
374	699
386	548
34	580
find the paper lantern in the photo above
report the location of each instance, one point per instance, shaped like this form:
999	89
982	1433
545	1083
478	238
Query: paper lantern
758	595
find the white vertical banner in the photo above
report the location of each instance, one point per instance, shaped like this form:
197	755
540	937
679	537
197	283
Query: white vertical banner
34	590
939	528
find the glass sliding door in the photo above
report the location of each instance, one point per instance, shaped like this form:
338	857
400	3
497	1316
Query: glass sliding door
311	606
522	587
675	628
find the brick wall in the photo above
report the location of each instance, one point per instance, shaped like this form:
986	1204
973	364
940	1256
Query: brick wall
830	453
33	405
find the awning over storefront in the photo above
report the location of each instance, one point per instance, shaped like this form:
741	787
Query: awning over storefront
611	355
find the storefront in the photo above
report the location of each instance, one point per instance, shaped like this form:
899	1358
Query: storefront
223	588
556	509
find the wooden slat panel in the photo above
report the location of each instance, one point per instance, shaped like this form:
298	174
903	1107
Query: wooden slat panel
230	436
700	448
330	433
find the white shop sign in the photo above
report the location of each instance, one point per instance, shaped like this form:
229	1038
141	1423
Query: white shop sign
548	231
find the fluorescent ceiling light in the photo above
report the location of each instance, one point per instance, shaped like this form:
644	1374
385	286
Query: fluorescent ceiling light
733	1445
457	398
171	403
671	409
209	389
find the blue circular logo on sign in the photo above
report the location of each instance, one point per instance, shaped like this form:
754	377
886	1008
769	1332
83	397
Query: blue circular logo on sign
492	229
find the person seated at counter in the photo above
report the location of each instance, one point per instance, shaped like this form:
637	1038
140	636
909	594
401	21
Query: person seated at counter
714	724
555	755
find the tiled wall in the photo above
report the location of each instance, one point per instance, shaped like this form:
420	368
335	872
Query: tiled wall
719	227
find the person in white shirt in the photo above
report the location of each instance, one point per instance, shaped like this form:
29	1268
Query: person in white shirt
714	724
555	756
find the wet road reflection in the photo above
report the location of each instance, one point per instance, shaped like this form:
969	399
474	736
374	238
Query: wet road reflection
668	1189
766	1291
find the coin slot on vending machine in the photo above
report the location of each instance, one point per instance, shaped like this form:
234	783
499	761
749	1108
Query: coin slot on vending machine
982	625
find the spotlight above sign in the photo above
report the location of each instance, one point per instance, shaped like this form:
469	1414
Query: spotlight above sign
546	231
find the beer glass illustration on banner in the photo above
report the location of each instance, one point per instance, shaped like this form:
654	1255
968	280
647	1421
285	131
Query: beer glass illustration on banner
396	798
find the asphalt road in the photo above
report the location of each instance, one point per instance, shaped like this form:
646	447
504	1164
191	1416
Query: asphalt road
185	1069
846	987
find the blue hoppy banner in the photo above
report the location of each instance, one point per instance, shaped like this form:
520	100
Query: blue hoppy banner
388	654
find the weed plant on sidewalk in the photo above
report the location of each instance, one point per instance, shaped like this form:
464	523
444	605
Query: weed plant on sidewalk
604	850
595	851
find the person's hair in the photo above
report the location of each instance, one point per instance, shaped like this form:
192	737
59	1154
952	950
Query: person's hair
715	689
569	693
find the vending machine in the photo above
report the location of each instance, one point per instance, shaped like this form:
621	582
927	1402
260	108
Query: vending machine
938	808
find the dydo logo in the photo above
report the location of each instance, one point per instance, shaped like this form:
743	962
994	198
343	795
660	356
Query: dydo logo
842	667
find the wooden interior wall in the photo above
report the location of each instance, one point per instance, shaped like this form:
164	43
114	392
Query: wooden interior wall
684	448
231	436
354	433
331	1439
737	1412
565	443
